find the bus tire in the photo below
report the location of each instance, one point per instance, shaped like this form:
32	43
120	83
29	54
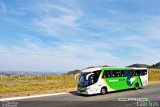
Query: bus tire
103	90
136	87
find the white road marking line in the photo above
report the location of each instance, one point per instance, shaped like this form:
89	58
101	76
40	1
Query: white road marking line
27	97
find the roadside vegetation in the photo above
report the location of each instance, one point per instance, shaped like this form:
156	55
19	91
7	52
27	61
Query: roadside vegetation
154	75
30	85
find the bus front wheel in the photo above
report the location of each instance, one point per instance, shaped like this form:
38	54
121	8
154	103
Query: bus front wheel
136	87
103	90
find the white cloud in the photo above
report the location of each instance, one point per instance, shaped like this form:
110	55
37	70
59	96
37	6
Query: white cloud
55	18
62	58
3	48
71	56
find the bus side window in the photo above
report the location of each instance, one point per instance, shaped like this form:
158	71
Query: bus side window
132	73
143	72
109	74
97	73
126	73
118	72
137	72
113	74
122	73
106	74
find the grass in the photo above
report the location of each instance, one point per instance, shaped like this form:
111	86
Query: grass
154	74
25	86
31	85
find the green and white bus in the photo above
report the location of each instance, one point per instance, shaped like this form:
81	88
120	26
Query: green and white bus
107	79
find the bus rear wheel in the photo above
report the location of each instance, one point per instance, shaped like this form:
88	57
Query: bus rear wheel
136	87
103	90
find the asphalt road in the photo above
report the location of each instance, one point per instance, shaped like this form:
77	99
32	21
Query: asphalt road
72	99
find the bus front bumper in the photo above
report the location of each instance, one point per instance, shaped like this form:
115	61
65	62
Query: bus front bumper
85	93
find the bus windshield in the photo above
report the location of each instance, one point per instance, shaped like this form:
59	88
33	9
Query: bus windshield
88	78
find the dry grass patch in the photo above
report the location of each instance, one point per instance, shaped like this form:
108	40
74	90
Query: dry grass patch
154	74
25	86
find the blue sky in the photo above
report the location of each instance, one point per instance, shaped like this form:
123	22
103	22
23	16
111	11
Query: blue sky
74	34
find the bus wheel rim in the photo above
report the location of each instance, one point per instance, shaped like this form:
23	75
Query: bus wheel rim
103	91
136	86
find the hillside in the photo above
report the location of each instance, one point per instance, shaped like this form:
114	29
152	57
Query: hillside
74	72
157	65
139	65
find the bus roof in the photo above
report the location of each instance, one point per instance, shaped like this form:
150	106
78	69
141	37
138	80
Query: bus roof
92	69
110	68
139	68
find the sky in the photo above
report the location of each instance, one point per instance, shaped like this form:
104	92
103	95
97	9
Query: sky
63	35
